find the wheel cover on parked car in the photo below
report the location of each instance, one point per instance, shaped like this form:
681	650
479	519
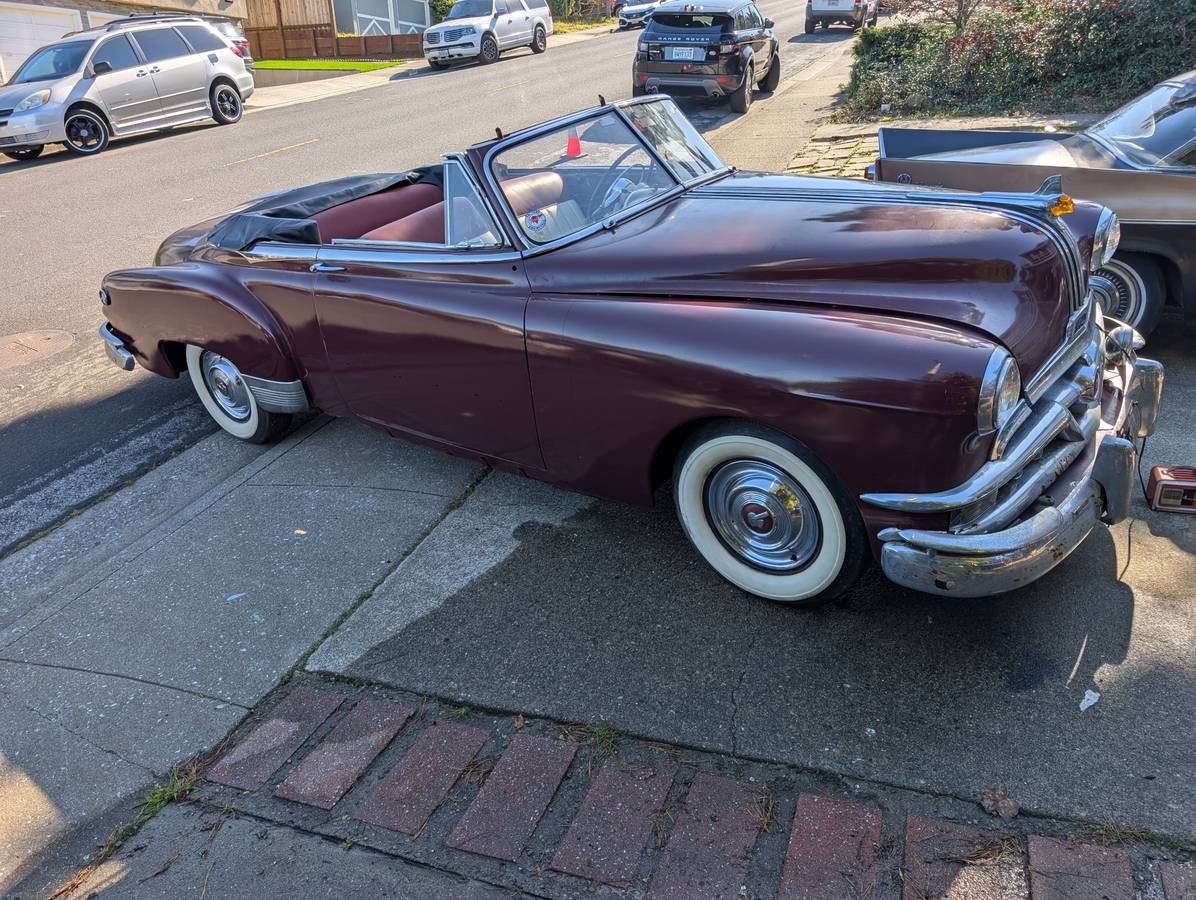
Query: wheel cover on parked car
227	387
228	103
762	515
85	132
1130	300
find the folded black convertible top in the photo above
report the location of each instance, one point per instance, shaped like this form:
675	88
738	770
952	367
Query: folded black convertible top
286	215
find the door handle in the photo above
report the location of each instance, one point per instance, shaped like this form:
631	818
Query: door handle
324	267
141	72
155	69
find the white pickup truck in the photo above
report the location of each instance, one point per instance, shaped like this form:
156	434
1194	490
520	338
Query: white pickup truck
855	13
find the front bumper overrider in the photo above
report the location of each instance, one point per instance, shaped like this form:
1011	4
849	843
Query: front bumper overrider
1095	486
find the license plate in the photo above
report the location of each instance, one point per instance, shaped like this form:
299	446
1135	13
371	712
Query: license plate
690	53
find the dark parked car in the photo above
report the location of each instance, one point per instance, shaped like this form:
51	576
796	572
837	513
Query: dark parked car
1140	162
827	371
719	49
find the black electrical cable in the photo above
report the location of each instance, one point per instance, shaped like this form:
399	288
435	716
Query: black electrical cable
1141	480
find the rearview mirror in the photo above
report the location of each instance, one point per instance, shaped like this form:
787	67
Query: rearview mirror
769	23
101	67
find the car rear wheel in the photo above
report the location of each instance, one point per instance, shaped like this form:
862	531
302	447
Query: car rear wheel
1140	290
226	104
741	99
773	78
539	40
86	132
767	515
489	50
25	153
227	398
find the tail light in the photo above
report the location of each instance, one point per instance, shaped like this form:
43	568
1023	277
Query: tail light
238	49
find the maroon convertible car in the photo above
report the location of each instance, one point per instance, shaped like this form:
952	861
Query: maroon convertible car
829	371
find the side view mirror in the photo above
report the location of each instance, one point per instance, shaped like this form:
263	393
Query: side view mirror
101	67
769	23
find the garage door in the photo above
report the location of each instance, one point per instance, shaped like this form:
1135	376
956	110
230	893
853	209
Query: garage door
24	28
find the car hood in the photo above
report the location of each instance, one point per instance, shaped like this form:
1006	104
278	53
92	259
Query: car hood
449	24
1030	153
638	8
837	243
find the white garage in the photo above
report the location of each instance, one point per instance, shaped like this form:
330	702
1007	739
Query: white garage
24	28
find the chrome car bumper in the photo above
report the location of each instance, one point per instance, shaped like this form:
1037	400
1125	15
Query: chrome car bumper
116	350
1059	492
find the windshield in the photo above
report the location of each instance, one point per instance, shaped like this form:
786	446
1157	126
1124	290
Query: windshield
468	9
55	61
1157	129
666	22
577	176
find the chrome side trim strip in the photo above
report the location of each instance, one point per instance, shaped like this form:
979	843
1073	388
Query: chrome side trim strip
278	396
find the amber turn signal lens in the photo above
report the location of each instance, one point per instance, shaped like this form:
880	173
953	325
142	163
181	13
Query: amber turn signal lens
1063	206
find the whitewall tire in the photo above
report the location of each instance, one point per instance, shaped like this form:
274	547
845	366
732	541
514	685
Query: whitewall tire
767	515
228	399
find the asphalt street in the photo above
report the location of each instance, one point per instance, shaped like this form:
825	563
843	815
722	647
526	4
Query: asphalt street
73	427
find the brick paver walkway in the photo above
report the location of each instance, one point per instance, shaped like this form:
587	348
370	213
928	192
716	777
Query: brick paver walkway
845	150
552	810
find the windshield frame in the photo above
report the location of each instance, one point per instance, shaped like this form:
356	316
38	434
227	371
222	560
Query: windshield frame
680	185
90	42
1115	147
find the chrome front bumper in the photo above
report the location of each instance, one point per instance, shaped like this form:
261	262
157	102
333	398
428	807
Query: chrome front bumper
1094	484
116	350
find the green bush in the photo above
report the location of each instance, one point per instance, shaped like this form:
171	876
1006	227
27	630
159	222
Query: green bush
440	9
1022	56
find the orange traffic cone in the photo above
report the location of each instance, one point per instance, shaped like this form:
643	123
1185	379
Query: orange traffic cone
573	147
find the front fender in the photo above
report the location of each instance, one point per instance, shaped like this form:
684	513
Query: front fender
195	303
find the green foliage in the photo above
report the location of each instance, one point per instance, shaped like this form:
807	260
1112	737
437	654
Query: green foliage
440	9
1024	56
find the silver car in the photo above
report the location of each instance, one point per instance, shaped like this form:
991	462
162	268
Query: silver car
482	29
131	75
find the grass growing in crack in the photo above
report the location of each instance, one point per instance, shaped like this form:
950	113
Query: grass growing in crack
180	782
463	712
605	738
1109	832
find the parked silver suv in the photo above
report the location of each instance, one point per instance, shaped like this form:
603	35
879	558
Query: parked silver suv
130	75
482	29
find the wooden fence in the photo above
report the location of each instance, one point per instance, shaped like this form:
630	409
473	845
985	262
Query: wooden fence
319	42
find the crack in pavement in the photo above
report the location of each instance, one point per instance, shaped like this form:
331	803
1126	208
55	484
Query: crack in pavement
84	738
735	694
170	687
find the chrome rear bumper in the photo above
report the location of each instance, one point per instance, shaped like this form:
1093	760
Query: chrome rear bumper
1093	485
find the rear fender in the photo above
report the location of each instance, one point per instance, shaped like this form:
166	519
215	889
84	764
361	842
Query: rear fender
195	303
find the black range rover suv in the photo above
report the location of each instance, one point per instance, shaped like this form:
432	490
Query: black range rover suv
720	48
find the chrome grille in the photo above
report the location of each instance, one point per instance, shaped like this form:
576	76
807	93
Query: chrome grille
1062	420
431	37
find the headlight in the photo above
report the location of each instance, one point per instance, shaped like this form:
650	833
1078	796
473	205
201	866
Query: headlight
1000	391
33	101
1106	239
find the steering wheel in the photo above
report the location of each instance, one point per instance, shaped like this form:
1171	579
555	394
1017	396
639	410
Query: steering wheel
595	203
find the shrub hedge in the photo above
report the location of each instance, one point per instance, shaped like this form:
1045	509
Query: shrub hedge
1020	56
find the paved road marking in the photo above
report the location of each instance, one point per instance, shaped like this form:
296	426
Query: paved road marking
272	152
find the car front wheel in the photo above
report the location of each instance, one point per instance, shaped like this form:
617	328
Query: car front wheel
226	104
489	51
25	153
767	515
227	398
1138	283
86	132
810	25
539	41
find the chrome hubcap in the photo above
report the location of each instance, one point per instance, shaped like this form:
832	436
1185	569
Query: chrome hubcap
762	515
1130	291
226	386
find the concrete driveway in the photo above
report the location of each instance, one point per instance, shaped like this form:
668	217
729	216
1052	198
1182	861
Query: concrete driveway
608	615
